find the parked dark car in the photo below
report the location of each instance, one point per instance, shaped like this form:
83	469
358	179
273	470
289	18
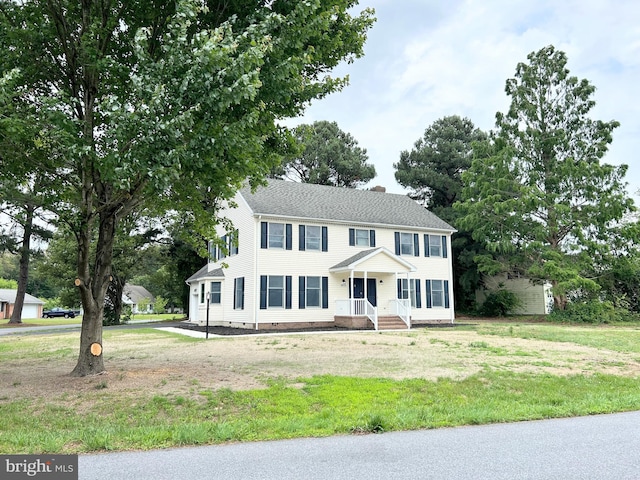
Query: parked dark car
58	312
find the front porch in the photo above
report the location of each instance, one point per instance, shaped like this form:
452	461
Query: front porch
370	299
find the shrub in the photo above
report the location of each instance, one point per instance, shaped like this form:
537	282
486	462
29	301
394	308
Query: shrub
592	311
499	303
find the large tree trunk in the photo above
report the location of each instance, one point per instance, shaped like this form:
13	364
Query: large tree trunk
93	289
25	254
559	300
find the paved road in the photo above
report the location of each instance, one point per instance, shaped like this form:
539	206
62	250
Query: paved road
600	447
46	329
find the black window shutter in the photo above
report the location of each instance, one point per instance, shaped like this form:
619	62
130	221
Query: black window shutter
444	246
416	245
325	292
325	239
446	294
427	250
235	292
301	238
428	285
241	282
352	237
397	238
287	292
289	235
399	289
418	294
301	292
263	292
263	234
372	238
223	253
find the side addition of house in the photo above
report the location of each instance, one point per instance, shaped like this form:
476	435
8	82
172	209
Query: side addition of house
305	255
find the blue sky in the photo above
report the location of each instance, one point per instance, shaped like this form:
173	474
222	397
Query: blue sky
426	59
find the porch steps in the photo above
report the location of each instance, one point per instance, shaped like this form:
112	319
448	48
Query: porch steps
391	322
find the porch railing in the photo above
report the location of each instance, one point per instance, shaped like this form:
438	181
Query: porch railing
401	308
358	307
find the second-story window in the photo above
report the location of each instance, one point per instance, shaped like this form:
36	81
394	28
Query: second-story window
435	246
275	235
312	238
407	244
362	238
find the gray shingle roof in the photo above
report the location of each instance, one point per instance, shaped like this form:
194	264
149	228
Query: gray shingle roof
205	273
9	295
135	293
345	205
348	261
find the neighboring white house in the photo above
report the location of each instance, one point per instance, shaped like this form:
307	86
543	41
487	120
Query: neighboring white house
32	307
305	255
133	295
535	298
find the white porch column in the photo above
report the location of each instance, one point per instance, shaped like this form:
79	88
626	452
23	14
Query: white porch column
351	294
366	290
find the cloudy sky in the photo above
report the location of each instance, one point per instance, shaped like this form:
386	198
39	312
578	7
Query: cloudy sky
426	59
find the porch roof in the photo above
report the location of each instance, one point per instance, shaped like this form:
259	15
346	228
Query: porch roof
359	260
205	273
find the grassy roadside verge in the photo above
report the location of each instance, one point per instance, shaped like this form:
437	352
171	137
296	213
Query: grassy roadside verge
102	418
322	406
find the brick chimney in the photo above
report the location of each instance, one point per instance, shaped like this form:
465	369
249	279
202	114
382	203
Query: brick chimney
378	188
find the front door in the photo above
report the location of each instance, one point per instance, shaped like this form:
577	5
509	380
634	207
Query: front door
358	289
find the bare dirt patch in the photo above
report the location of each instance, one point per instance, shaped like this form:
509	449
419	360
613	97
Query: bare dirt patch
141	364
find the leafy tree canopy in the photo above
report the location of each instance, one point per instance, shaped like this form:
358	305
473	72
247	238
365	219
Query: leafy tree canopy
433	169
539	193
327	156
166	105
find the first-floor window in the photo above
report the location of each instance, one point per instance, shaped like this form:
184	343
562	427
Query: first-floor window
313	292
216	290
275	291
410	290
437	293
238	293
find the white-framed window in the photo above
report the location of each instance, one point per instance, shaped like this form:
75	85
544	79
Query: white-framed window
435	246
410	290
406	244
313	238
275	291
313	292
437	293
238	293
361	237
215	293
229	247
275	236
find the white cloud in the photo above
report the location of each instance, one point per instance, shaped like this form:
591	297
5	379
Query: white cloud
428	59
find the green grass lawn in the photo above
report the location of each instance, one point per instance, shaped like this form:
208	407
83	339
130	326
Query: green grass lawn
102	420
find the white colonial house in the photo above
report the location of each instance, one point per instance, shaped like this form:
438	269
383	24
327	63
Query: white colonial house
305	255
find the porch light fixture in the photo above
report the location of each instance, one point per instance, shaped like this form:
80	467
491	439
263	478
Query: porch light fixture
381	282
344	282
